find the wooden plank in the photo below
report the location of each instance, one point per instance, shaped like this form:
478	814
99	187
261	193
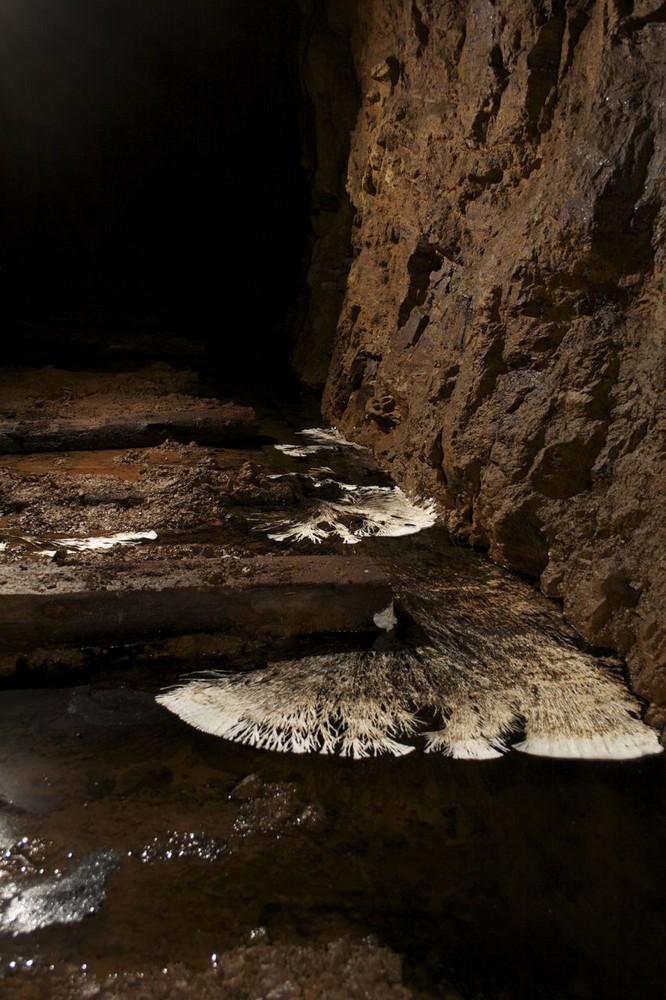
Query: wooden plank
223	425
261	596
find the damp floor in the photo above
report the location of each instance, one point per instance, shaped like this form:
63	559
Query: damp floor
140	857
161	848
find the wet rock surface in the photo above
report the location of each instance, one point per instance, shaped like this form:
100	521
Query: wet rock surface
63	898
341	970
500	345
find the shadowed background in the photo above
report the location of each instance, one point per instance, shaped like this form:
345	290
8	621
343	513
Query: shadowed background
150	166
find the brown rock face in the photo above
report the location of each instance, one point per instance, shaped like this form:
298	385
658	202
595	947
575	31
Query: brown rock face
501	340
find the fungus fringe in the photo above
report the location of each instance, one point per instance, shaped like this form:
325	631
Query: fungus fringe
363	704
318	439
368	511
352	704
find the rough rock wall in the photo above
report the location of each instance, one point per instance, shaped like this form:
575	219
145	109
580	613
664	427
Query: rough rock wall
501	340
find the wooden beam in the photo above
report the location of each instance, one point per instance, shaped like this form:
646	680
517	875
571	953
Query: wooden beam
122	601
225	424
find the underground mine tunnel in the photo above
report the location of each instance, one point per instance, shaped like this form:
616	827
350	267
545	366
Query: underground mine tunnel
331	499
151	172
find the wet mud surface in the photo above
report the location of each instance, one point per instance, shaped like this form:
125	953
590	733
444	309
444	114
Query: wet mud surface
140	857
133	844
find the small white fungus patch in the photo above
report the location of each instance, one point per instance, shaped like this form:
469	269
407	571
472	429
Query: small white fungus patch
369	512
106	541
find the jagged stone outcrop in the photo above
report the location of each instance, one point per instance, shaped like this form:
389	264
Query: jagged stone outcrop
501	340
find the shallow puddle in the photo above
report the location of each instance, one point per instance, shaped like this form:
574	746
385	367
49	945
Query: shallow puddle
131	843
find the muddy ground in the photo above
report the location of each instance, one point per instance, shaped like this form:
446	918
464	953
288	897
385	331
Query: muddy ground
196	509
143	858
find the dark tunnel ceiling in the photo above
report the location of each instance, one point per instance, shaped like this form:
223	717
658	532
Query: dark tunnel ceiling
150	162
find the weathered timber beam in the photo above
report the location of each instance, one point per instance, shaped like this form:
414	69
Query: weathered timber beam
277	596
224	425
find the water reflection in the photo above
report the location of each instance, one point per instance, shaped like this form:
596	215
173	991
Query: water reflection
531	875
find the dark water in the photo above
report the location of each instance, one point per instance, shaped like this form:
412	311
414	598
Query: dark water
514	878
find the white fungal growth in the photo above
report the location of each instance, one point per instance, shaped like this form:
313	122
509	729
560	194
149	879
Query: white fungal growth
317	439
386	619
297	450
106	541
364	704
343	704
314	478
622	746
474	728
495	668
328	437
370	511
82	544
591	715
